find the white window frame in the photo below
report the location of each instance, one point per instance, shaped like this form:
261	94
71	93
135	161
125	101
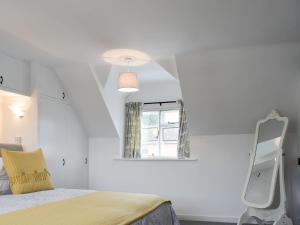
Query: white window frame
160	108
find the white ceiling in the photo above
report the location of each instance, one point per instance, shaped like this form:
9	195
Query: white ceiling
226	91
87	100
83	30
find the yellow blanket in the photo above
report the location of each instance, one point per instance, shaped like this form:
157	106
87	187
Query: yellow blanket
99	208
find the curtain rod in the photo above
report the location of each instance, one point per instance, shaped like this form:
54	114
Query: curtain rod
149	103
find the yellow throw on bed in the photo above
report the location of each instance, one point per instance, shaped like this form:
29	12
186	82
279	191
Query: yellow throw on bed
99	208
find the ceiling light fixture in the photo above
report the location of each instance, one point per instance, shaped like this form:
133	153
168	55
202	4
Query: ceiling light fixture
118	57
128	81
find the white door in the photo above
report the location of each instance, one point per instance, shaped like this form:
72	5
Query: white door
64	143
52	138
76	152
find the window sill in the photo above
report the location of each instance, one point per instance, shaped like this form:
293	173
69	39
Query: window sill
158	159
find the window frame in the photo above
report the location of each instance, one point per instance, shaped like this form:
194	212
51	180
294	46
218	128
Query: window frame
161	109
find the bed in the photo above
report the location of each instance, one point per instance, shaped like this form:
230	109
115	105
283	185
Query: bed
30	205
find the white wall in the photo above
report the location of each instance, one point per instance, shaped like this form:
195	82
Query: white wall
1	119
226	91
207	189
291	149
25	127
115	102
296	172
157	91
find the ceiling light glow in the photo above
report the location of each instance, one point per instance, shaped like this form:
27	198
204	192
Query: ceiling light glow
119	57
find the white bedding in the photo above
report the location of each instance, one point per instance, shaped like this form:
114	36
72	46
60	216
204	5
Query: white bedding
10	203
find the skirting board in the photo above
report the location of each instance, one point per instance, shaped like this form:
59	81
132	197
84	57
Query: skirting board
219	219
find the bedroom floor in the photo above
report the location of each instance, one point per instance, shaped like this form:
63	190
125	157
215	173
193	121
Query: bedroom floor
203	223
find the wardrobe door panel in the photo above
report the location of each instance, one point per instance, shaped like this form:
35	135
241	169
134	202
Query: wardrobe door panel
14	75
48	84
52	138
76	151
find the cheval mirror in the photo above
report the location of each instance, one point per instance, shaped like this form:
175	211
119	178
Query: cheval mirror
264	191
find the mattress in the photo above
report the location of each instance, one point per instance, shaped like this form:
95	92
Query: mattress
163	215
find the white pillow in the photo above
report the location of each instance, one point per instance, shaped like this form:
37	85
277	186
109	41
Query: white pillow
4	181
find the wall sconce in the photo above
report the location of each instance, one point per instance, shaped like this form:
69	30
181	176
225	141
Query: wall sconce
17	110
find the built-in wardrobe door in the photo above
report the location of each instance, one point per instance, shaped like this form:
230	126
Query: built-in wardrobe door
14	75
48	83
52	137
76	151
60	132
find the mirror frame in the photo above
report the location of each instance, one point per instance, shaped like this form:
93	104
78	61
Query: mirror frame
272	115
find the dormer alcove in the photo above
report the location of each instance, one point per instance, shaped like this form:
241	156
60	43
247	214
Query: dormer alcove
17	119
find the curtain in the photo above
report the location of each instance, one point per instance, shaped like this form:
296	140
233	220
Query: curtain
132	137
183	147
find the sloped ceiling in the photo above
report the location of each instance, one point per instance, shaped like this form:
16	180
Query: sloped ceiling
227	91
169	65
87	100
83	30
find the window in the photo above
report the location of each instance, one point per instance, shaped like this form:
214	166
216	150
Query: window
160	133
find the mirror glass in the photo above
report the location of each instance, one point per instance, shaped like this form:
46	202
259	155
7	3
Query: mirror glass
264	165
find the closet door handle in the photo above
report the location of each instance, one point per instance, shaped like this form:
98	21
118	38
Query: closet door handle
1	79
63	162
86	161
63	95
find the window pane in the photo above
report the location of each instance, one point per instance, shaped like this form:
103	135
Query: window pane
169	140
170	134
170	117
150	135
150	119
160	133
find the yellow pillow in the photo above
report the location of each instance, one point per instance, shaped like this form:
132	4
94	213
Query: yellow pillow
27	171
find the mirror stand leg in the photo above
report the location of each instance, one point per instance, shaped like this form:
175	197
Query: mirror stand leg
244	218
283	220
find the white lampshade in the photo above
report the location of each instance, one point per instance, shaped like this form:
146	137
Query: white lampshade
128	82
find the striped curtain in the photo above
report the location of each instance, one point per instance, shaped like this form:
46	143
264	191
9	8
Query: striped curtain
132	138
183	147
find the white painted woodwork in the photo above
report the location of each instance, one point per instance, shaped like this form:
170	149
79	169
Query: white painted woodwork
60	132
76	152
274	208
48	84
62	138
52	138
14	75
